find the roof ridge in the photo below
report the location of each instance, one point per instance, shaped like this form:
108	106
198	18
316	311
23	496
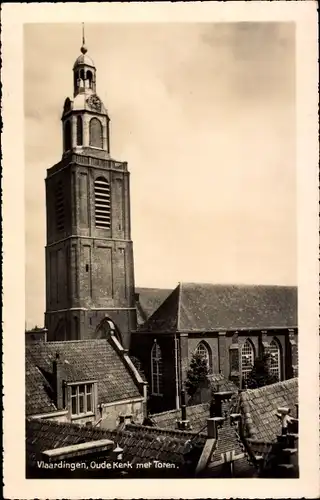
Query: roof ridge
161	430
54	342
268	387
175	410
240	285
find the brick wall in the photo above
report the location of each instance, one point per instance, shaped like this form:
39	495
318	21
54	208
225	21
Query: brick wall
225	354
88	268
111	414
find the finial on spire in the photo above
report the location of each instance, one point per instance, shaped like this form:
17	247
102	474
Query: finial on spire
83	48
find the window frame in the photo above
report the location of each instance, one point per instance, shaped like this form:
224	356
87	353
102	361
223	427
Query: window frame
89	389
96	120
203	345
244	372
67	136
79	130
278	369
156	370
105	200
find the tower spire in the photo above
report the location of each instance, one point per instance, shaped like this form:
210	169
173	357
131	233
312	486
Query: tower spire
83	47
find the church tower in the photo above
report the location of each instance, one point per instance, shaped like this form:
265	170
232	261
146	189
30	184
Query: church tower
89	254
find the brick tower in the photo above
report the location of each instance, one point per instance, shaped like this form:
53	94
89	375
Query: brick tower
89	254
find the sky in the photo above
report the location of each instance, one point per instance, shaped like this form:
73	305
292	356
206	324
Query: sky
204	114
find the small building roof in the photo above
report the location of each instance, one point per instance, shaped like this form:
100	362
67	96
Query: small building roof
196	414
209	307
259	408
81	361
139	443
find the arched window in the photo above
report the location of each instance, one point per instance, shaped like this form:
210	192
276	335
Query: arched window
67	136
247	360
156	369
275	358
102	202
96	139
89	78
204	351
79	131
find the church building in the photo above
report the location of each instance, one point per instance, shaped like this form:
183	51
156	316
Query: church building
90	272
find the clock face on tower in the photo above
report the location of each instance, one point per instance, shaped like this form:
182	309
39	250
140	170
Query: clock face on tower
94	103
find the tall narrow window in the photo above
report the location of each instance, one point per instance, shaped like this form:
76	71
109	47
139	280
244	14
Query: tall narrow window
156	370
203	351
59	206
67	136
247	360
96	139
102	209
79	131
275	359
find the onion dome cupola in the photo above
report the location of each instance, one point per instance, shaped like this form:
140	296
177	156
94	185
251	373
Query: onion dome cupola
85	119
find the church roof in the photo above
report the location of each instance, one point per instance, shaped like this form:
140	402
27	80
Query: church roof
148	300
84	59
82	361
209	307
259	408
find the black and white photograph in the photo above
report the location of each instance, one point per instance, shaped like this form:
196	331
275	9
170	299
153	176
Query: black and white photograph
162	298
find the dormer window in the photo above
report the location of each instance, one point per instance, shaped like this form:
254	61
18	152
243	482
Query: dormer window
82	399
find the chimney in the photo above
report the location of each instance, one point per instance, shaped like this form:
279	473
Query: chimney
36	335
284	415
58	381
184	423
221	403
213	425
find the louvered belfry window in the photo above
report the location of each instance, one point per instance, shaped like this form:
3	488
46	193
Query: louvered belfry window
102	200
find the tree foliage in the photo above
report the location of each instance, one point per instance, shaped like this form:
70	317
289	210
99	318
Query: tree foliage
260	374
197	374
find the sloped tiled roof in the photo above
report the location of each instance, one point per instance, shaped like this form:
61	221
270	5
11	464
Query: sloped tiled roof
149	301
259	407
39	392
207	307
196	414
139	443
219	383
82	361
